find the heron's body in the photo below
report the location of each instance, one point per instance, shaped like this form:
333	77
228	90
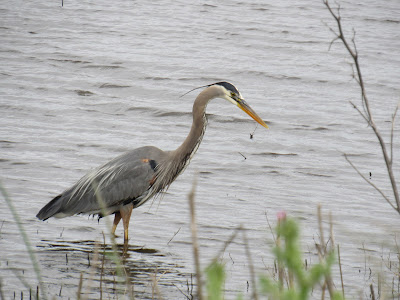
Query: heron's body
129	180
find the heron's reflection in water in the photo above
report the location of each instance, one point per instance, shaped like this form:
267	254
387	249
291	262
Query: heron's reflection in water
99	270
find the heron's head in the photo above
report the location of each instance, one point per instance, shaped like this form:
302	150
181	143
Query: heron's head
232	94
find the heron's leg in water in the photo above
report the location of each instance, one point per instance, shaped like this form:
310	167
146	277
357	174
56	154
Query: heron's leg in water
126	212
117	218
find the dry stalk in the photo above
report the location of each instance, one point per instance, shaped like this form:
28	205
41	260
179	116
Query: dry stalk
78	293
270	227
323	291
1	291
102	266
371	287
93	268
340	269
193	228
154	287
174	236
322	253
281	270
331	236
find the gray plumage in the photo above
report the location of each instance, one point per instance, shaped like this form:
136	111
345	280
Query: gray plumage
134	177
125	179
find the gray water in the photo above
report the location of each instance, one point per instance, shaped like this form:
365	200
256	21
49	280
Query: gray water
82	83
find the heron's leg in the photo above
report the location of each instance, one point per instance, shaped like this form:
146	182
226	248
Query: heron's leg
126	212
117	218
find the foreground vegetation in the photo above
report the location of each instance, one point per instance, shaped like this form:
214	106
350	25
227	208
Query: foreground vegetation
294	280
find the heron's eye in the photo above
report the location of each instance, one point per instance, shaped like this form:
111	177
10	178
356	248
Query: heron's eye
233	95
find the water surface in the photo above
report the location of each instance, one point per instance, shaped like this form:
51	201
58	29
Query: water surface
82	83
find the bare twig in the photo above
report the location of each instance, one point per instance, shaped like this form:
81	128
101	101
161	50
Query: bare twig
174	235
359	111
270	227
227	243
193	227
364	100
391	133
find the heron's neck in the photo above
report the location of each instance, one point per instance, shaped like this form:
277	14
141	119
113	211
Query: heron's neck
178	159
193	140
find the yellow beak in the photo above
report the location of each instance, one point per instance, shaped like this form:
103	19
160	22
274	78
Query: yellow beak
248	110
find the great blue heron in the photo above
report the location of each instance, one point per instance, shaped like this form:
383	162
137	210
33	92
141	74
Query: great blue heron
129	180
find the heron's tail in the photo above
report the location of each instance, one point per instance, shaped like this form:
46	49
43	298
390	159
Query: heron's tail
50	209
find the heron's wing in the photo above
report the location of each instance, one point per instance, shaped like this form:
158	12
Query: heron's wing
109	186
125	179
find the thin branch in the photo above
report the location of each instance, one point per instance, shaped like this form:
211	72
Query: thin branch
340	269
353	53
353	40
360	112
369	182
368	115
334	40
